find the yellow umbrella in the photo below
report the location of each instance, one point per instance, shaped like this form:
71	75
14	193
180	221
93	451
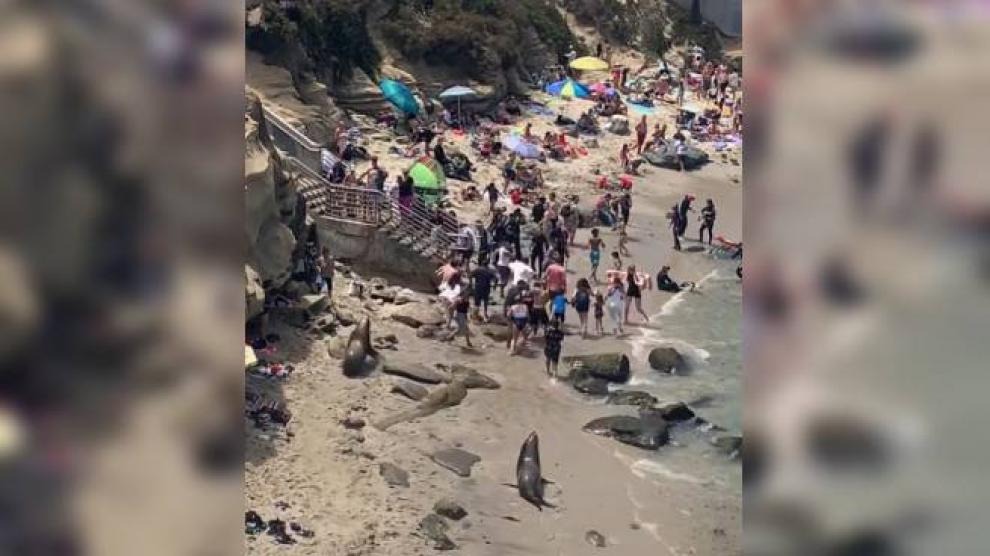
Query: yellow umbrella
589	63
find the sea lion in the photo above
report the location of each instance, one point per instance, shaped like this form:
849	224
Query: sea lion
440	398
528	479
358	351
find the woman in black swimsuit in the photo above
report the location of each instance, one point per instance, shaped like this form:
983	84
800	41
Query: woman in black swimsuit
634	294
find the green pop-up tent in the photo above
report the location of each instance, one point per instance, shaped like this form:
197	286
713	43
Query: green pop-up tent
428	179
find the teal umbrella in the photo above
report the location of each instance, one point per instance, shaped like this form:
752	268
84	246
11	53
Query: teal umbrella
399	95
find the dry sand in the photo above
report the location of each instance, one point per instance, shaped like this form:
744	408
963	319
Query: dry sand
329	475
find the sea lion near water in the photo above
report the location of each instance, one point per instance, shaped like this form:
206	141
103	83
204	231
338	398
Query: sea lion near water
528	478
359	350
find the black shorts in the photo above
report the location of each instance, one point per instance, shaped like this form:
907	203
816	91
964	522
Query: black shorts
481	298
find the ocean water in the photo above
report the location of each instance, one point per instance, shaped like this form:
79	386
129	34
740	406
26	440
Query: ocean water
704	326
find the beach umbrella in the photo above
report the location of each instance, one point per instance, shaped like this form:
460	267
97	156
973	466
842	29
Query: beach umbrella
589	63
458	92
428	178
520	146
568	88
399	95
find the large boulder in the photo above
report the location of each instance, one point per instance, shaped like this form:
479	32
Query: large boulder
648	432
666	157
667	360
273	252
585	383
631	397
613	367
419	314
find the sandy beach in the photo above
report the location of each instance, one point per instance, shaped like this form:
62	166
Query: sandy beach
683	499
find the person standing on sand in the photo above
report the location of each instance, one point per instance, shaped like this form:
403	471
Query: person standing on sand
682	211
582	304
538	316
514	228
461	308
326	265
707	221
556	278
569	214
599	313
674	216
492	192
519	318
502	259
595	246
615	301
553	341
537	251
482	280
625	207
623	239
624	157
634	294
641	129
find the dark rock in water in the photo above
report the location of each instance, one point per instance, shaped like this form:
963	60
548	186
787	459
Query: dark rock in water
434	528
393	474
595	538
473	379
587	384
410	390
676	412
457	460
667	360
728	444
416	372
648	433
613	367
632	397
450	509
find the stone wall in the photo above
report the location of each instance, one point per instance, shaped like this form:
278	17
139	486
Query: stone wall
371	251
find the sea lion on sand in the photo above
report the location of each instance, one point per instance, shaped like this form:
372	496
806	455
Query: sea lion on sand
528	479
359	350
440	398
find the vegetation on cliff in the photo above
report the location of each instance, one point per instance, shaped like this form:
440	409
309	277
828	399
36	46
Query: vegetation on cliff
476	35
333	35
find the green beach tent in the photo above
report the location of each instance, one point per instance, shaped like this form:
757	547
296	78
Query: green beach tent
428	179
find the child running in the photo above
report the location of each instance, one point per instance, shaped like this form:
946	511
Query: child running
519	313
599	313
595	246
623	240
616	297
554	339
559	304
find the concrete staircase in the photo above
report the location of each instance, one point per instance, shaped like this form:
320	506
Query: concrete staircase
413	228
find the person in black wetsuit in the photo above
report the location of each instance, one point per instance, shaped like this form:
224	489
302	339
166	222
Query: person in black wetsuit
514	229
682	212
539	209
675	224
538	251
667	284
707	221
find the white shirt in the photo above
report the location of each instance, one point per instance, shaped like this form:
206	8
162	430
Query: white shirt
521	271
503	256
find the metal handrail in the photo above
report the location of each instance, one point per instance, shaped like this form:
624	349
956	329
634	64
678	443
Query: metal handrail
415	218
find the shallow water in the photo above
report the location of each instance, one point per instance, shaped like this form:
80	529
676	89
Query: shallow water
704	326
